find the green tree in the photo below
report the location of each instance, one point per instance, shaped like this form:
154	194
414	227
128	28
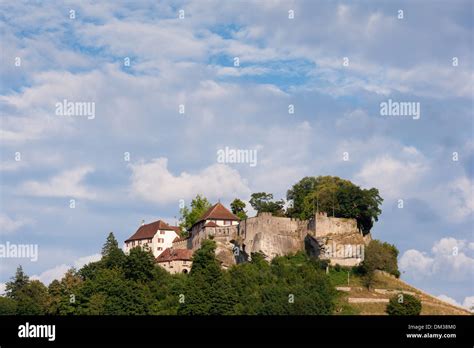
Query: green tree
55	294
300	287
7	306
91	269
263	202
208	290
32	299
337	197
297	195
189	216
238	209
63	294
110	244
18	282
139	265
109	293
379	256
96	304
112	255
404	304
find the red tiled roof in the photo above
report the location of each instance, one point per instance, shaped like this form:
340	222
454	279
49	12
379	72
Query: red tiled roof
177	229
218	212
149	230
170	254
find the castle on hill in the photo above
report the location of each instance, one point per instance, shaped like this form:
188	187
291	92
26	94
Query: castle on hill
337	240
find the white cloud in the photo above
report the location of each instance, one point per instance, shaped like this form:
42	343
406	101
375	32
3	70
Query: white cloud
415	260
153	182
8	225
66	184
2	288
448	260
58	272
459	197
394	177
448	299
468	302
86	259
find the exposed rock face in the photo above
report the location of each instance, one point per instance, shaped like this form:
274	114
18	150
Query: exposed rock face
337	240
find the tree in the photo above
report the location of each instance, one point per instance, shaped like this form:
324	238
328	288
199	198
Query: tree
69	288
55	297
263	202
109	293
404	304
299	287
139	265
32	299
18	282
337	197
379	256
96	305
189	216
297	195
110	244
238	209
208	290
7	306
91	269
112	255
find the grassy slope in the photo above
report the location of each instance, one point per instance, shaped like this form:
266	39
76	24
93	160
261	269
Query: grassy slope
430	304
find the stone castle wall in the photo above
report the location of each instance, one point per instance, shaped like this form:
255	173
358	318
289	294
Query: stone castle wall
272	235
275	236
326	225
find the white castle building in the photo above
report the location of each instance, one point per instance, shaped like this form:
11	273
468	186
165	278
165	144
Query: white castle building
156	236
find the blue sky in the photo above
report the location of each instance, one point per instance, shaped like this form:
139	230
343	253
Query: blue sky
190	61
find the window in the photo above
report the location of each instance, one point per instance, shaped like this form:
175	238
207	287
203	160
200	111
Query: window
159	248
161	240
149	240
133	243
162	232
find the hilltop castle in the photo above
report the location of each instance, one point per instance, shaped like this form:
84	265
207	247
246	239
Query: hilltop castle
336	239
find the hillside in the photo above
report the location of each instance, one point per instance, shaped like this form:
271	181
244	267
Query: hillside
356	299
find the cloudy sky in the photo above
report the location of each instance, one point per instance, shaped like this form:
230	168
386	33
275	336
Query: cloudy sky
335	62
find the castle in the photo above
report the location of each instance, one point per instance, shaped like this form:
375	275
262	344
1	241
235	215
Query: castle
337	240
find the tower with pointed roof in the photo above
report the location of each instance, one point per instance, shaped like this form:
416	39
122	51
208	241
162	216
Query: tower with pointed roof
215	216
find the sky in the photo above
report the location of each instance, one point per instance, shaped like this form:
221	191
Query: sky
166	93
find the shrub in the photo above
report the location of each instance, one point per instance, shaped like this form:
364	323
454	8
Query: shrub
403	304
